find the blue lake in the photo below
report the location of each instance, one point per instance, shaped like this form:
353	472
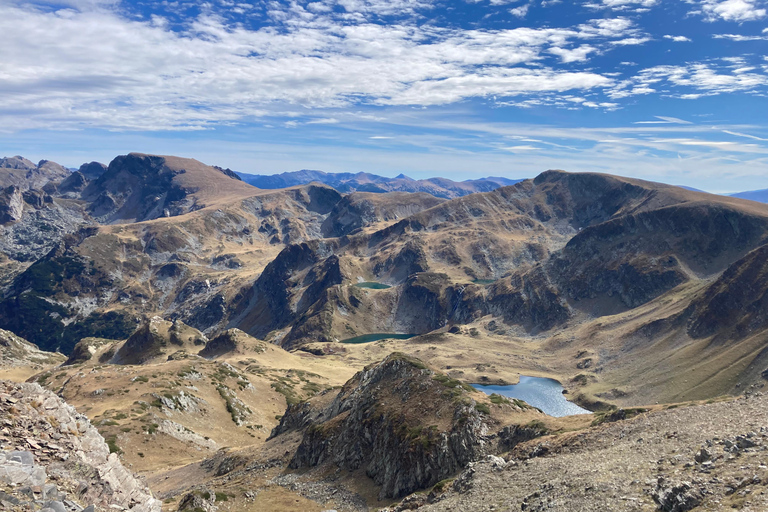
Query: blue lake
546	394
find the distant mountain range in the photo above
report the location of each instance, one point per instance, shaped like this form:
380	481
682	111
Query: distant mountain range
364	182
760	196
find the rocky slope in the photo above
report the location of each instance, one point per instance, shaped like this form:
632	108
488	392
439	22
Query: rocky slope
703	457
52	458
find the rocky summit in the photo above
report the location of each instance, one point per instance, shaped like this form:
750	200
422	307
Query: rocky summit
349	342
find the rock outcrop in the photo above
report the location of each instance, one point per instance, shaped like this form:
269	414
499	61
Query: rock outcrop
225	343
407	426
63	463
11	205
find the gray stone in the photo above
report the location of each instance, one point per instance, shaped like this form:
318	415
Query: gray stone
26	458
679	497
55	506
71	505
50	492
702	456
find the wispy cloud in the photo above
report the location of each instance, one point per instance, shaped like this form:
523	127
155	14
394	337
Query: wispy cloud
95	68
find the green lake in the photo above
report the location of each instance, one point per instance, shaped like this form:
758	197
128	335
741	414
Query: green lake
373	285
376	336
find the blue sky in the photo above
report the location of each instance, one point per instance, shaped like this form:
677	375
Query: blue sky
666	90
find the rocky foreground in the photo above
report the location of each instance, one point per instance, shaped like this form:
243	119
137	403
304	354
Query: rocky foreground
52	459
706	457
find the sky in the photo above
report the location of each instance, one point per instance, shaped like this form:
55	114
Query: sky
665	90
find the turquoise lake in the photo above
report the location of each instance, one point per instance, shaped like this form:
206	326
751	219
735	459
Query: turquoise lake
376	336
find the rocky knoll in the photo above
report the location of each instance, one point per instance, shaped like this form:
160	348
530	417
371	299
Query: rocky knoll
53	459
156	339
407	426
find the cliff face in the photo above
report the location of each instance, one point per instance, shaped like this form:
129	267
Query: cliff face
407	426
62	457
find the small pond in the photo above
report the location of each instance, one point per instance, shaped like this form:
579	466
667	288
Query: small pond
376	336
483	282
546	394
372	285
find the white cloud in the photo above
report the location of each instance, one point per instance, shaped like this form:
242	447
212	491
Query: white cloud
520	12
677	39
733	10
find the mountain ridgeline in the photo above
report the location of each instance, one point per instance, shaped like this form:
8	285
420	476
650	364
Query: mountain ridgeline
151	235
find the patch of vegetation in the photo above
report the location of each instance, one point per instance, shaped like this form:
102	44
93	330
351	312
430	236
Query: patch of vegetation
442	485
536	425
482	408
616	415
523	404
287	391
236	408
221	496
311	388
580	379
500	400
112	444
140	378
399	356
